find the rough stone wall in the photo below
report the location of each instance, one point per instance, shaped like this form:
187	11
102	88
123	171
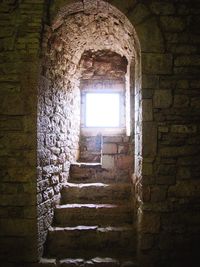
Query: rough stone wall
58	127
117	157
90	149
64	41
58	138
168	102
103	65
168	186
167	164
20	28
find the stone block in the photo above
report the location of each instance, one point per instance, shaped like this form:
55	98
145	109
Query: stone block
123	149
112	139
149	138
181	101
66	167
138	14
195	102
149	223
172	23
189	60
162	8
158	193
108	162
151	41
183	84
185	189
184	129
90	7
165	179
147	168
166	169
150	81
147	93
177	151
163	129
156	63
162	99
109	148
195	84
17	227
124	162
12	104
147	110
183	173
11	124
55	179
43	185
182	49
167	82
145	193
148	179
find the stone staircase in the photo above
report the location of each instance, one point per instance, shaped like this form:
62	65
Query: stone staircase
93	225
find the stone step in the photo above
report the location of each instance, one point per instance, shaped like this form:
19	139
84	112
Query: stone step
92	214
96	193
90	241
95	262
93	172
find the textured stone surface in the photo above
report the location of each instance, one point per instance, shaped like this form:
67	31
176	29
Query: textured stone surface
154	63
92	214
169	36
162	99
95	193
92	241
92	229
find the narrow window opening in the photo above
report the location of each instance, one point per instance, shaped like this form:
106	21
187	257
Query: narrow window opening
102	110
103	93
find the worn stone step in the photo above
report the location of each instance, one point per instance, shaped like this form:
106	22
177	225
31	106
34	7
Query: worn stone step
95	262
93	172
92	214
96	193
44	262
90	241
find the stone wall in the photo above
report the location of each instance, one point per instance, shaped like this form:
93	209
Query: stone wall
117	157
167	114
59	103
168	183
20	28
90	149
58	138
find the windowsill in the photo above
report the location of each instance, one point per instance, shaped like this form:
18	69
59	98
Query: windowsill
93	131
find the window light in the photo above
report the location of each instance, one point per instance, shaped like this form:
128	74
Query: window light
102	110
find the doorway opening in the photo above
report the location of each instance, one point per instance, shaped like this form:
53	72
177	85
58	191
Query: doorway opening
105	103
90	51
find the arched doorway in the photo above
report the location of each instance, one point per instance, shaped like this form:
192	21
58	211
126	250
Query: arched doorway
78	28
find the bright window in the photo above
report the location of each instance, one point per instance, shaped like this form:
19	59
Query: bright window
102	110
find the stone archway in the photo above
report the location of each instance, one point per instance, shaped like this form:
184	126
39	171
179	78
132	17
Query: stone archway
78	27
167	166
